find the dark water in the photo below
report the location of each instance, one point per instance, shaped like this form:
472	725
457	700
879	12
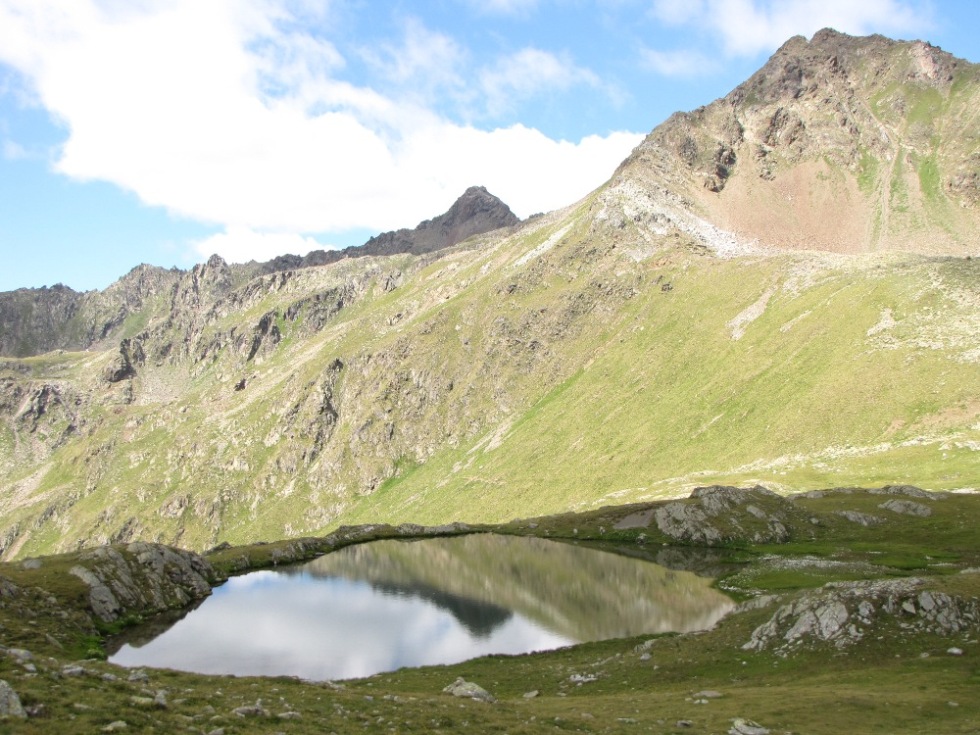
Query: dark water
388	604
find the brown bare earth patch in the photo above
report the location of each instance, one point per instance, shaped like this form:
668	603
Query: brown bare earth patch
808	207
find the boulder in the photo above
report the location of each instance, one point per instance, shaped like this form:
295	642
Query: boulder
463	688
10	705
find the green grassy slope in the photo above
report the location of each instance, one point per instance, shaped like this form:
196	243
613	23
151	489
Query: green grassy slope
667	399
562	367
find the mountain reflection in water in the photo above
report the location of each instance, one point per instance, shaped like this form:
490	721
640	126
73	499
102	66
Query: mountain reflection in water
388	604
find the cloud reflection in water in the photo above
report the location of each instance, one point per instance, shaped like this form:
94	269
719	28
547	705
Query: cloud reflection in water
322	628
385	605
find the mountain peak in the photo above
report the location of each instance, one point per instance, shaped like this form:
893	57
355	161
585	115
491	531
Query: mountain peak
476	211
840	143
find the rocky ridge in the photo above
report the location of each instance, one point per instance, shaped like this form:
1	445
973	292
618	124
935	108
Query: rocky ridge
39	320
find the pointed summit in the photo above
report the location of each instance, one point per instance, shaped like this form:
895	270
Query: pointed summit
475	212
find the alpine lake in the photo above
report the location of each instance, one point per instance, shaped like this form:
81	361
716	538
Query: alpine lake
384	605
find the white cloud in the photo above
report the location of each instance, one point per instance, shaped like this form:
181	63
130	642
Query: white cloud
223	113
678	63
426	62
749	27
528	72
678	12
13	151
503	7
240	244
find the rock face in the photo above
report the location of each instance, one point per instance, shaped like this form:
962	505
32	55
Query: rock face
37	320
475	212
840	143
142	578
842	613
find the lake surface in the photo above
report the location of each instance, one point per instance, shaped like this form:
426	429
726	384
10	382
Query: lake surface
388	604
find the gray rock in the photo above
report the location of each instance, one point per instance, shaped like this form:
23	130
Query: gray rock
463	688
640	519
842	612
747	727
719	513
20	655
531	694
10	705
72	670
115	726
907	507
863	519
252	710
142	578
910	491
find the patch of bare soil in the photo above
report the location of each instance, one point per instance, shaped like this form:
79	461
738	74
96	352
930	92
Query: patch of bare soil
807	207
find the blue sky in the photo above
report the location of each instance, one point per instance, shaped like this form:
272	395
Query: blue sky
161	131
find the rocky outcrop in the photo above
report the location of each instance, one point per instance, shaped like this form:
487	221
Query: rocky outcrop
907	507
475	212
842	613
717	515
142	579
123	366
38	320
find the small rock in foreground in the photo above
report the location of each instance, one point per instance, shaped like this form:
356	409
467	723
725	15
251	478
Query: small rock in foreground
463	688
747	727
10	705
